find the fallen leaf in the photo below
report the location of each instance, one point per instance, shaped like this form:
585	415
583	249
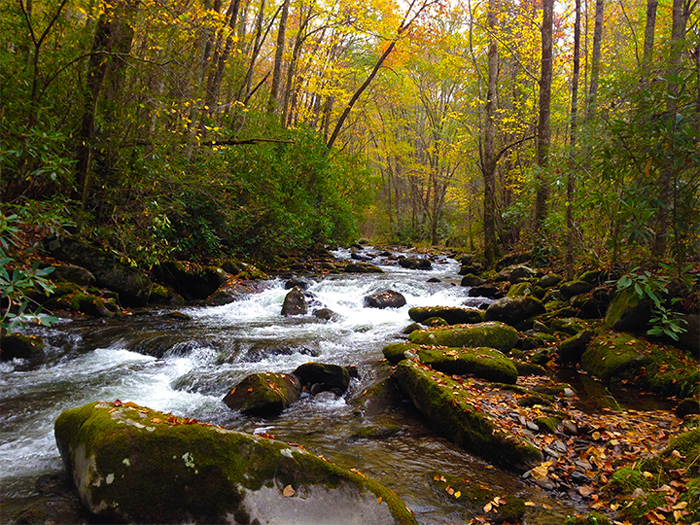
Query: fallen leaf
450	491
379	500
288	491
458	494
530	504
488	507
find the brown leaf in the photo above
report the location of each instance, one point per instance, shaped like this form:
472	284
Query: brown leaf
288	491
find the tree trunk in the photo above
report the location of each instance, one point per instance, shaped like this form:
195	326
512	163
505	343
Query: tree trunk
543	125
273	103
649	36
570	182
489	158
595	59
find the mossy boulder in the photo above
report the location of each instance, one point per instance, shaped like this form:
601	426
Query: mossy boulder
485	363
568	325
132	285
571	349
628	312
73	274
451	314
492	334
448	408
191	281
394	353
322	377
514	311
385	299
519	290
550	280
358	267
471	280
572	288
521	273
132	464
415	263
435	321
615	357
264	394
294	302
162	295
474	497
18	346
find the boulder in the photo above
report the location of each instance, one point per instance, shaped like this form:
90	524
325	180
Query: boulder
135	465
519	290
592	305
294	303
264	394
616	357
490	292
16	346
515	258
571	349
572	288
451	314
385	299
133	287
514	311
594	277
296	283
521	273
360	267
628	312
491	334
447	407
73	274
471	280
568	325
396	352
469	269
690	338
550	280
326	314
321	377
415	263
192	281
485	363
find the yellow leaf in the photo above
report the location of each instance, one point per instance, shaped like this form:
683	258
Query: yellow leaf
540	472
487	507
379	500
458	494
288	491
680	506
530	504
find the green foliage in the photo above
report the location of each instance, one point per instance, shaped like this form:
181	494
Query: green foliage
18	281
664	321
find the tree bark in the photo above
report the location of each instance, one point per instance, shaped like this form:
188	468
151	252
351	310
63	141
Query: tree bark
649	35
490	160
595	59
543	125
571	182
273	103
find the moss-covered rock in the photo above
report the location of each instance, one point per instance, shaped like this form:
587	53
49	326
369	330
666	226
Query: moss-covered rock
451	314
385	299
568	325
571	349
550	280
264	394
615	357
192	281
132	464
519	290
521	273
485	363
435	321
628	312
572	288
471	280
395	352
514	311
473	497
166	296
322	377
294	302
448	409
17	346
492	334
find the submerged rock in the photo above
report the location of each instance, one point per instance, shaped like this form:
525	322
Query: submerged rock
415	263
264	394
16	346
294	303
450	413
385	299
133	464
321	377
492	334
190	280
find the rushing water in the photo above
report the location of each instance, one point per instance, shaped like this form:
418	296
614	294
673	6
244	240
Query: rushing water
194	362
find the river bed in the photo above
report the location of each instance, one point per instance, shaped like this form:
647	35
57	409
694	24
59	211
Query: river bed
186	366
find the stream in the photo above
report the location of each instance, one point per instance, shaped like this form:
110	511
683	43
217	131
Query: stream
194	362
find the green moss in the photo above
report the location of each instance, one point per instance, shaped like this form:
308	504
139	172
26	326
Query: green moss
625	480
519	290
450	413
138	465
594	518
615	357
451	315
435	321
474	496
395	352
548	423
492	334
484	362
264	394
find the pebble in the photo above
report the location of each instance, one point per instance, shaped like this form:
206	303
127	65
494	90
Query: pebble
569	393
570	427
585	465
638	493
579	477
532	426
545	483
550	452
560	447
